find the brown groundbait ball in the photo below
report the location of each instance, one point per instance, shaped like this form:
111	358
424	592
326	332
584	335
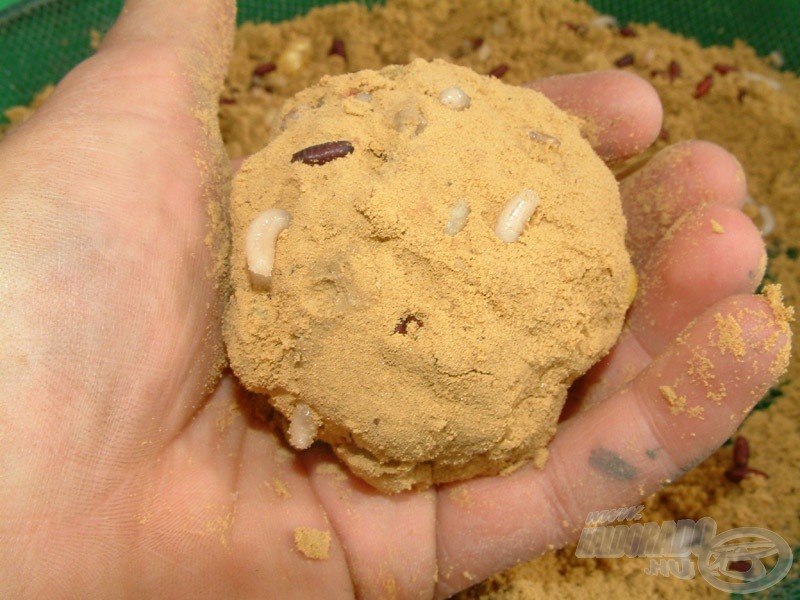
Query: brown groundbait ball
424	259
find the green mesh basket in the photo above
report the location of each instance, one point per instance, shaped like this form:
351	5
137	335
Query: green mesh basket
40	40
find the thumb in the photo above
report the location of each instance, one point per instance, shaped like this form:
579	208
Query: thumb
103	195
186	45
161	60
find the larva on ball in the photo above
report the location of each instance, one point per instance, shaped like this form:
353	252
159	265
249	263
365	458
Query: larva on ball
262	236
302	427
458	218
455	98
515	215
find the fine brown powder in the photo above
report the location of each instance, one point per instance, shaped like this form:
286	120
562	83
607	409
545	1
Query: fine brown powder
312	543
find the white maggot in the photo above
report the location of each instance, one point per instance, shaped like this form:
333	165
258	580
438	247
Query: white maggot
515	215
758	77
604	21
543	138
302	427
458	218
767	218
262	236
454	98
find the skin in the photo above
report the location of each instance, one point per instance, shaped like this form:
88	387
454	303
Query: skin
123	476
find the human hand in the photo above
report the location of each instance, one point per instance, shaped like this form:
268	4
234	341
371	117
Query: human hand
123	475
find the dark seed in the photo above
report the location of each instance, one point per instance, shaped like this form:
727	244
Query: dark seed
627	31
737	474
227	100
740	96
323	153
402	324
625	60
499	71
724	69
741	566
337	48
741	452
263	69
674	70
663	135
704	86
476	42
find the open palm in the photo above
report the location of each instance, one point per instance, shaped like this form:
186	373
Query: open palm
131	467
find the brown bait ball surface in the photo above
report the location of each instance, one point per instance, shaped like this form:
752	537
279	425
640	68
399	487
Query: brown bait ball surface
406	334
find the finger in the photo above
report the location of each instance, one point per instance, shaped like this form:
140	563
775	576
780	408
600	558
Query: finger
623	449
623	110
106	190
676	180
154	84
711	253
389	540
154	41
